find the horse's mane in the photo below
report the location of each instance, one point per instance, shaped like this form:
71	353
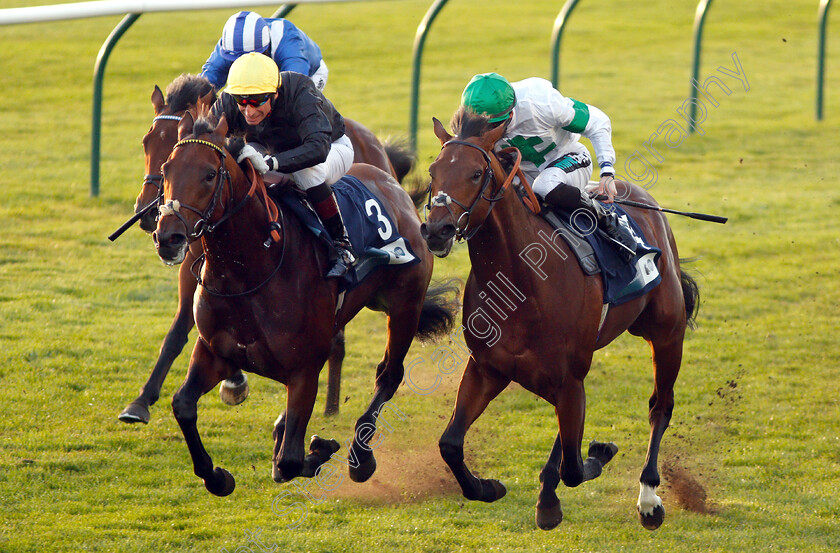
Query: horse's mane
203	125
466	123
185	90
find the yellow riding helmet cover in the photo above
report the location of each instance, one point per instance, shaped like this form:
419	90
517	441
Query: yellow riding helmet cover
253	73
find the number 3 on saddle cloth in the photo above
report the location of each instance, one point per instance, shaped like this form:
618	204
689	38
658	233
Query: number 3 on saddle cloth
372	231
622	281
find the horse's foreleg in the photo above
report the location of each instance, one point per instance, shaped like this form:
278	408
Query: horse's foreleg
320	450
476	391
549	514
666	365
334	362
204	373
402	325
571	412
288	459
173	344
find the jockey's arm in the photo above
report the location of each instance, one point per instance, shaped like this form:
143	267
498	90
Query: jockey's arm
599	133
314	150
216	68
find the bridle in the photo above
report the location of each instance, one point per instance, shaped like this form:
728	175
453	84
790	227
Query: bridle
442	199
173	207
157	180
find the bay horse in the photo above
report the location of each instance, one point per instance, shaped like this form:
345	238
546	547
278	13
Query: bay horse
549	338
190	92
249	312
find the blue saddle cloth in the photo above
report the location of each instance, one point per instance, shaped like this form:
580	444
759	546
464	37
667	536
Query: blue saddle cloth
622	281
372	231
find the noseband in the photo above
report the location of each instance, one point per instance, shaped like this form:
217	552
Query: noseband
157	180
442	199
173	207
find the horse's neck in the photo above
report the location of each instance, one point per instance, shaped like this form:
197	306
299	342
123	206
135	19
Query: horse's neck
506	232
236	248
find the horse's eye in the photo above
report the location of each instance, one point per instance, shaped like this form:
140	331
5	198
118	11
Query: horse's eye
477	174
210	176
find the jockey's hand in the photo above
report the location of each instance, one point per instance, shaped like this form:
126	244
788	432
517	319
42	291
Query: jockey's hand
271	162
256	158
606	189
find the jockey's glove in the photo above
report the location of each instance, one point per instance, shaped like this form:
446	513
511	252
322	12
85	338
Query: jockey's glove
271	162
256	158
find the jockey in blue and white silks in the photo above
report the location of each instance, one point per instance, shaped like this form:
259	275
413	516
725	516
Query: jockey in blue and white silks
545	127
280	39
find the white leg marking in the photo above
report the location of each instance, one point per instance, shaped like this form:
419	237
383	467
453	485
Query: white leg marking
648	500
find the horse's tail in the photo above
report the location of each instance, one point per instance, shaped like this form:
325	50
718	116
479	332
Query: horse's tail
403	159
691	294
400	155
440	307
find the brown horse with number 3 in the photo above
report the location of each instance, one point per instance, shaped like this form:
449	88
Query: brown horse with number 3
547	341
190	92
248	309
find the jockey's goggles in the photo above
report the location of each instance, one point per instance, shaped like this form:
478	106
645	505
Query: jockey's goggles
255	100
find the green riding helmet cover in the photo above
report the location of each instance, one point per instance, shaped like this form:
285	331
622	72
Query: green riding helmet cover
489	94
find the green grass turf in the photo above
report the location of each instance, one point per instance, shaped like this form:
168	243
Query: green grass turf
755	428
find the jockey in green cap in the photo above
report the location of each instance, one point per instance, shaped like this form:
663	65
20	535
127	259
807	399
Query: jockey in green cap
545	127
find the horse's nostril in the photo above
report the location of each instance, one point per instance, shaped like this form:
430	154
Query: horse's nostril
177	240
447	232
163	240
423	232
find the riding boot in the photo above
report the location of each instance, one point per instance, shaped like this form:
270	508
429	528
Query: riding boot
323	200
570	198
620	235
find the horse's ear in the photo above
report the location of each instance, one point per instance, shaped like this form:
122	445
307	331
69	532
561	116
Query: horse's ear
185	127
206	101
494	135
440	132
222	127
158	100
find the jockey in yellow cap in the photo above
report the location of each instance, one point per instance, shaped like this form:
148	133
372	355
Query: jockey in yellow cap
291	128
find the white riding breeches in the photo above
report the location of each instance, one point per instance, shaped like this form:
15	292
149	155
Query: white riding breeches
337	164
573	168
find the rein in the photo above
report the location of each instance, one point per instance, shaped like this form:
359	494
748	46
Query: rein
442	199
173	207
157	180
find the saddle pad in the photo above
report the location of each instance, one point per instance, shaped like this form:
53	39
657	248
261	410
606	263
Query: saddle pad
372	231
622	281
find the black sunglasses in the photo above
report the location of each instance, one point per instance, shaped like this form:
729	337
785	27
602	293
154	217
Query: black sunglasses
255	100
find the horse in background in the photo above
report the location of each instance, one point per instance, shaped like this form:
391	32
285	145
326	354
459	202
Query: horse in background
550	337
188	93
248	310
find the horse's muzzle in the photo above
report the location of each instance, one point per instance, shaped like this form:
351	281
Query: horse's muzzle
171	246
148	222
439	236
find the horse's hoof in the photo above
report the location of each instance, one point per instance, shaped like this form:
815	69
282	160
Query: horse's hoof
653	520
276	475
364	471
548	519
320	451
492	490
135	412
234	392
320	446
603	451
222	483
284	471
